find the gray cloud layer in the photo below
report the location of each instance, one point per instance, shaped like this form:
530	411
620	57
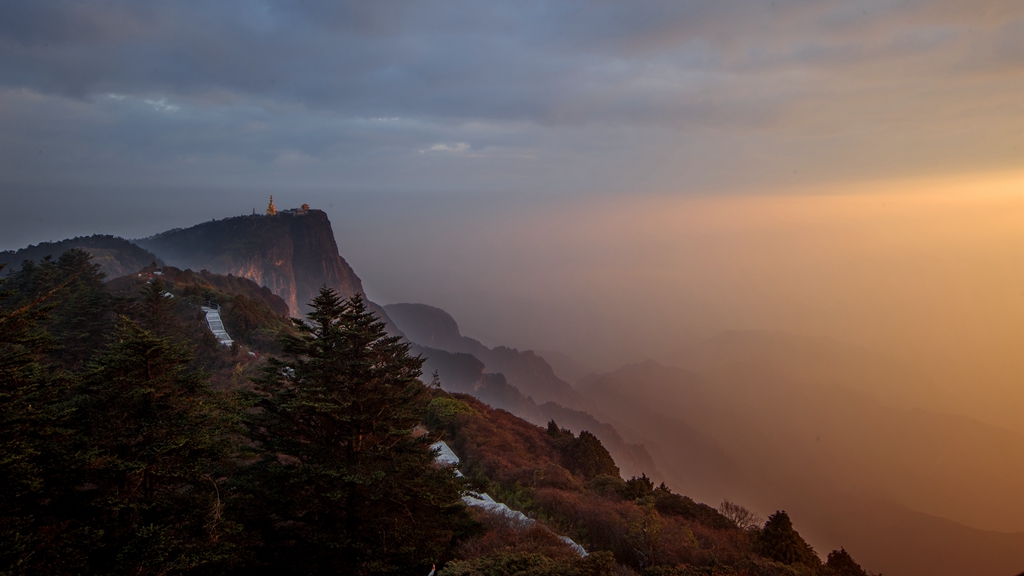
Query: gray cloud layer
553	95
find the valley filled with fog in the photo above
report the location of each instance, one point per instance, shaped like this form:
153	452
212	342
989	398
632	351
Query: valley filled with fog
853	359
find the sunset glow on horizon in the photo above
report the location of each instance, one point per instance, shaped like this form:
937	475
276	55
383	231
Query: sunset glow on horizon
773	251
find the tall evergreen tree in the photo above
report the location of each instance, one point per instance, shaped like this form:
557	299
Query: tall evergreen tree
22	398
841	563
590	458
349	487
155	310
155	439
80	316
583	455
36	459
84	318
779	541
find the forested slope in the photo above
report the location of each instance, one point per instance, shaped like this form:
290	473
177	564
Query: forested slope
135	443
115	256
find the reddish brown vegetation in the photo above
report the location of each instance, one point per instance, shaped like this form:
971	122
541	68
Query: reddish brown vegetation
506	449
502	536
648	529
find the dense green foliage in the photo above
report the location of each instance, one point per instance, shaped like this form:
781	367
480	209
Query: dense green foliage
133	443
335	420
80	310
583	455
842	564
30	434
255	317
126	461
648	528
114	441
154	441
442	410
780	542
115	256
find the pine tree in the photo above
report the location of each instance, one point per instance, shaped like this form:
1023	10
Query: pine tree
841	563
23	398
638	488
84	318
583	455
155	439
351	489
155	310
590	458
80	308
780	542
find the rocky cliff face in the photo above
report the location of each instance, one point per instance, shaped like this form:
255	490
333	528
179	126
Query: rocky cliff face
292	253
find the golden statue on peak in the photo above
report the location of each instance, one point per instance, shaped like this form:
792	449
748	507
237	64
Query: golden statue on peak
271	210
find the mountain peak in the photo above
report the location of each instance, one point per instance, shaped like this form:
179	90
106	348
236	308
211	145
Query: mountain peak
292	252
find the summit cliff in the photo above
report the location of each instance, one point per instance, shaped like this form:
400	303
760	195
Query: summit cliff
292	252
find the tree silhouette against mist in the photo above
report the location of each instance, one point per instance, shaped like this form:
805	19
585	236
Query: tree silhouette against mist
780	542
348	487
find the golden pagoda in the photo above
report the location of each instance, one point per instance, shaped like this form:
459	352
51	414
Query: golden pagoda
271	210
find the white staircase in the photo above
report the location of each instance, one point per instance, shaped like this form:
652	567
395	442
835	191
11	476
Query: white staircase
217	325
447	457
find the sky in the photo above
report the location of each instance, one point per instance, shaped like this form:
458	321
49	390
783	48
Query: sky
608	179
504	97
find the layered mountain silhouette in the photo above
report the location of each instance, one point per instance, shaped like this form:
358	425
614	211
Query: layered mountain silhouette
813	426
907	491
531	374
566	367
949	465
521	383
115	256
293	253
464	373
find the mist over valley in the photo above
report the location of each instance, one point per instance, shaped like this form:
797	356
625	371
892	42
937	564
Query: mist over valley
564	287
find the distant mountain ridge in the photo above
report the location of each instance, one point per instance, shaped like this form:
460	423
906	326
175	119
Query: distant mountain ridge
532	375
115	256
464	373
566	367
293	253
522	383
809	446
691	457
